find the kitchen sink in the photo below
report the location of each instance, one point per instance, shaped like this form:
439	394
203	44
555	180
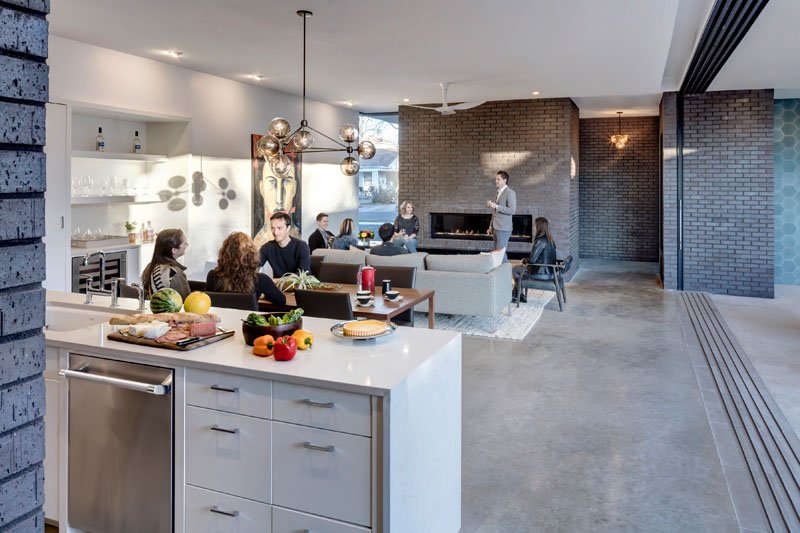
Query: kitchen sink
58	318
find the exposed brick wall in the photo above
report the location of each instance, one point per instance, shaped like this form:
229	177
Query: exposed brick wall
619	190
23	93
669	187
728	193
450	162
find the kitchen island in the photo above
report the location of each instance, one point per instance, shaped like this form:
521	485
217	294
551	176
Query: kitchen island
384	417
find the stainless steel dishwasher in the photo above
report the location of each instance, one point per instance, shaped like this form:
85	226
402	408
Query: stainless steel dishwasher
120	446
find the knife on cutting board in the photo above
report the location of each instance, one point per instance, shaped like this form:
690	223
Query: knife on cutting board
192	340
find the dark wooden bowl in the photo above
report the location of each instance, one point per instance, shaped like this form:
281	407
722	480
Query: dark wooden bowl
251	332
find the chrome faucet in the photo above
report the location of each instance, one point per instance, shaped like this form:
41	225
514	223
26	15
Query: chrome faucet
140	295
102	256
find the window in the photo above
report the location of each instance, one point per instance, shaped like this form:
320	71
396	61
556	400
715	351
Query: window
377	179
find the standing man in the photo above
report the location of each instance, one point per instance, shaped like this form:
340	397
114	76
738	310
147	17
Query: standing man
284	253
321	238
503	206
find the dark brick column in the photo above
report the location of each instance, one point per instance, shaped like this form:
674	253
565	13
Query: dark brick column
729	225
23	93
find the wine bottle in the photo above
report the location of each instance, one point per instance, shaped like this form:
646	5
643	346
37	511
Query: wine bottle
100	141
137	144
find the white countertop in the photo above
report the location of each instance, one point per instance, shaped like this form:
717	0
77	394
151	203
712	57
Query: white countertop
80	252
369	367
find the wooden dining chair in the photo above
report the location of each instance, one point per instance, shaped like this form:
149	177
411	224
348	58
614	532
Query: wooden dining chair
325	304
401	277
234	300
338	273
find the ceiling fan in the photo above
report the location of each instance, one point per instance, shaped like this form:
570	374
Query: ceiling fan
445	109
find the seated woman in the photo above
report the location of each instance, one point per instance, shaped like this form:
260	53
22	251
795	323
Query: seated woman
164	271
345	239
237	270
406	227
542	252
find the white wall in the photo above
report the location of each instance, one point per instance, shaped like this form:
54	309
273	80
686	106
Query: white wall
223	114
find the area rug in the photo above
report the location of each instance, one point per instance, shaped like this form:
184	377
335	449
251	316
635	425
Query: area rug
501	326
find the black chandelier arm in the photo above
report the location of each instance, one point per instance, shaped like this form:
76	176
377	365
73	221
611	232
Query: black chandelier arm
329	138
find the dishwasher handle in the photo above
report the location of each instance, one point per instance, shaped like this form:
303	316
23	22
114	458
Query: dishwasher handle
159	389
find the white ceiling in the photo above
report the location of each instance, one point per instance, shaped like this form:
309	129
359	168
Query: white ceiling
607	56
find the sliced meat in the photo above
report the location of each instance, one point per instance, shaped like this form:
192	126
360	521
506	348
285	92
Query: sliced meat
202	329
173	336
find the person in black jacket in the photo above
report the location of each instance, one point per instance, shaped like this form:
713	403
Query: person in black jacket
237	270
542	252
321	238
285	253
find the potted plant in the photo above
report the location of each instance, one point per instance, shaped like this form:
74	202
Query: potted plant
130	227
365	235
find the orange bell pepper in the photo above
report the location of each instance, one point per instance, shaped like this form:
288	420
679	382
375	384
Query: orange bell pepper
264	346
305	339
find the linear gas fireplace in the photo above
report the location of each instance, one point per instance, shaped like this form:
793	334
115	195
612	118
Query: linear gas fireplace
473	226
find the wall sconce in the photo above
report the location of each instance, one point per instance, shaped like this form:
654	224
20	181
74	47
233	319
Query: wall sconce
619	140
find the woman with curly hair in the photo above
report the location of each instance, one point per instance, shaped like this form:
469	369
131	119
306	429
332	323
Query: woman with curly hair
406	227
237	270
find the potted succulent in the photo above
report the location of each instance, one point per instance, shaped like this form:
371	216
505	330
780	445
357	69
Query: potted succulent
130	227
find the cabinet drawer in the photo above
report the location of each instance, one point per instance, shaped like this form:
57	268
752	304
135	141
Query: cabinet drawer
212	512
321	472
233	457
286	521
322	408
229	392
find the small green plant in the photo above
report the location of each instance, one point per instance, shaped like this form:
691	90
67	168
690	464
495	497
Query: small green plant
130	226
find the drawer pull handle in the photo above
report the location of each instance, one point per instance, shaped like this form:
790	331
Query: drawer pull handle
310	446
224	389
217	510
312	403
233	431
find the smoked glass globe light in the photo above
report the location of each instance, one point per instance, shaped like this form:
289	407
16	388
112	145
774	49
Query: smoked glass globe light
303	140
348	133
281	165
349	166
279	128
366	150
268	146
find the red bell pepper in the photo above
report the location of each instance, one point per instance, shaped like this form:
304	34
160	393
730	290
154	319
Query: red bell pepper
285	348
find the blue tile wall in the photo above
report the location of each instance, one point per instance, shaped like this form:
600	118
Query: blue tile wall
787	191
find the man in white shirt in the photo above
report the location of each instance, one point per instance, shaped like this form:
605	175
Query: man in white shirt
503	208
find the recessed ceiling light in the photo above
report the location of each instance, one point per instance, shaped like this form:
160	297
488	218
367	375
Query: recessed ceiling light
406	100
257	77
349	103
535	93
175	54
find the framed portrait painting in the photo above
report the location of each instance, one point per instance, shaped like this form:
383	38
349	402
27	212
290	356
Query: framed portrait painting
272	194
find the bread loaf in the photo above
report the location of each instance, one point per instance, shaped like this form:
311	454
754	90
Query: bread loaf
178	318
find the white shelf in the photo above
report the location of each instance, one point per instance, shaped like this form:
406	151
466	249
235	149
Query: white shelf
83	154
94	200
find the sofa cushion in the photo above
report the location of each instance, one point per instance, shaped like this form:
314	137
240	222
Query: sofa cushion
476	263
350	257
496	255
402	260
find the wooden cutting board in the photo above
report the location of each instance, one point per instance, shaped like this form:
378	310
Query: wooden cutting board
118	336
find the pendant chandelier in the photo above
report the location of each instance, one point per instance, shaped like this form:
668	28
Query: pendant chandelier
619	140
280	139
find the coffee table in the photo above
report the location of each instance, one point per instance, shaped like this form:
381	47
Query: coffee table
382	308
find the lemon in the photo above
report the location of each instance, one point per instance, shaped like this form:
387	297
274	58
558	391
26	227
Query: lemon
197	302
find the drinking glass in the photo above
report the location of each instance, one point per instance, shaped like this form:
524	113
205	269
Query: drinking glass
87	183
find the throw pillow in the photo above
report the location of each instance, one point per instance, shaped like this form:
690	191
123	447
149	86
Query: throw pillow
496	256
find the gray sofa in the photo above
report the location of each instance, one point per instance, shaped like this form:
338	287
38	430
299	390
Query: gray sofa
473	284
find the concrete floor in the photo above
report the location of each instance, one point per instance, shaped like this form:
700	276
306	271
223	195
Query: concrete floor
769	331
594	422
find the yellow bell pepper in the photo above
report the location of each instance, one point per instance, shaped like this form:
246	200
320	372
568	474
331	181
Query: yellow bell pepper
305	339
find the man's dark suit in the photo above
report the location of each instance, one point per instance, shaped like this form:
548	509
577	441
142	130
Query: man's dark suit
316	240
